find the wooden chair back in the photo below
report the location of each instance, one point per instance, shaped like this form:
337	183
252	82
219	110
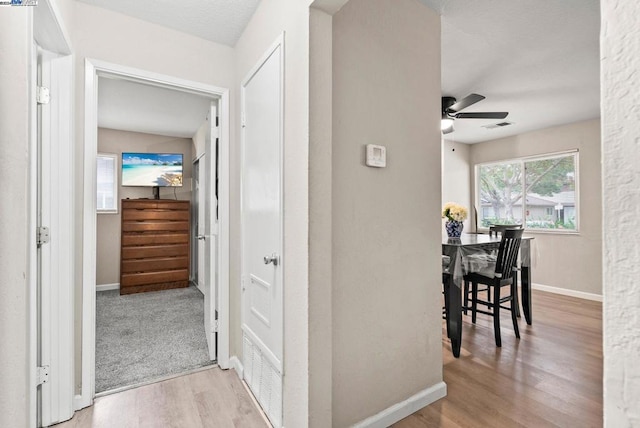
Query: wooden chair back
499	228
508	252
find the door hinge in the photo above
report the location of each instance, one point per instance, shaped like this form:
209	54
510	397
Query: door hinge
243	121
42	95
243	282
216	326
42	235
42	375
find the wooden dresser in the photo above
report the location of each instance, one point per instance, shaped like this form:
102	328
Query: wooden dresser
154	245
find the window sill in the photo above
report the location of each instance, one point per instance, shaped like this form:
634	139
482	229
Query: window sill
542	231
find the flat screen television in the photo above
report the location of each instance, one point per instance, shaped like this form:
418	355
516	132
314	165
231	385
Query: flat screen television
152	169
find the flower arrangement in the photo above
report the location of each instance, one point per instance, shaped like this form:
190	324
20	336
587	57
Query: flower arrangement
454	212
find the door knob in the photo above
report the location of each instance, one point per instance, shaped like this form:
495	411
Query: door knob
201	237
273	258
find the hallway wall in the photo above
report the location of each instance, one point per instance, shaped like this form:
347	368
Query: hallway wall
15	54
385	224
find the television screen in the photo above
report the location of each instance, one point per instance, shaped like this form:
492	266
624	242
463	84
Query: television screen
152	169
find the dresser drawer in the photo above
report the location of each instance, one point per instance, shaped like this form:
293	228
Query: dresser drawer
132	279
152	251
155	226
145	215
142	238
152	265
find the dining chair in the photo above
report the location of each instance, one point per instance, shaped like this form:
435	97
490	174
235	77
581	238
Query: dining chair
497	229
446	261
503	276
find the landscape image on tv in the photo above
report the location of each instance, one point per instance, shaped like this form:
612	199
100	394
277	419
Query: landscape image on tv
152	169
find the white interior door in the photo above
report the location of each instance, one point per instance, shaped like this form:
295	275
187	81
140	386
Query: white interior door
208	233
55	244
262	297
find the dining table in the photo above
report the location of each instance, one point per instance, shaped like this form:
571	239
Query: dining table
460	253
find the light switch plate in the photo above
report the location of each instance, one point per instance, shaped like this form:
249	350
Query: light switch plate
376	156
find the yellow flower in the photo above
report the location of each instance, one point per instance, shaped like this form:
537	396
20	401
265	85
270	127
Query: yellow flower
454	212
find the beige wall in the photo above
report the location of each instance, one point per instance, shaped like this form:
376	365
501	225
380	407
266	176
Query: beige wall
109	36
386	228
108	225
569	261
320	208
269	21
620	53
14	216
456	179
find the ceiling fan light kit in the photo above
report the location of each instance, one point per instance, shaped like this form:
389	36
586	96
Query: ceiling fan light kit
451	111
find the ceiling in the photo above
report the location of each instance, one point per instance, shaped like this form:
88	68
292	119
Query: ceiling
136	107
537	60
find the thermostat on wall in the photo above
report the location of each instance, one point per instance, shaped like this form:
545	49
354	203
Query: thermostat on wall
376	156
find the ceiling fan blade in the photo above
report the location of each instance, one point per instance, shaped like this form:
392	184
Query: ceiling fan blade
466	102
486	115
449	130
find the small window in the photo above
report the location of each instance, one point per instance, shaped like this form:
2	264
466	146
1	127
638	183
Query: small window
107	183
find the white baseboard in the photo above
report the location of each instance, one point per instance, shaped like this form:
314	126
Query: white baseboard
235	364
79	402
105	287
403	409
567	292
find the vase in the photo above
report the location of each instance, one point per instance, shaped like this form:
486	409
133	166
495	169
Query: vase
453	228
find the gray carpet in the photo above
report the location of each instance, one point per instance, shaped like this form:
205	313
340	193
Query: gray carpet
146	336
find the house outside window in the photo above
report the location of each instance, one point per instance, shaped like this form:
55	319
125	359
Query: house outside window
107	183
539	192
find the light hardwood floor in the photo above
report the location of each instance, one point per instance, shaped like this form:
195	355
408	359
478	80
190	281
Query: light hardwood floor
208	398
551	377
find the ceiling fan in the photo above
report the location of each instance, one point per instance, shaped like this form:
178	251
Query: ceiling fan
451	110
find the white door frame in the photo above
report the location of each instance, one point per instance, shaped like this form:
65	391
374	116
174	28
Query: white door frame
49	33
94	69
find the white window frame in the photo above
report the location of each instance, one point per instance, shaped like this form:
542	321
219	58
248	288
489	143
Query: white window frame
113	210
522	161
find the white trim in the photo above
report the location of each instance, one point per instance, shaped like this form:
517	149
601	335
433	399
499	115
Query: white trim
401	410
107	287
93	69
49	30
236	364
57	256
77	401
567	292
32	278
89	235
224	176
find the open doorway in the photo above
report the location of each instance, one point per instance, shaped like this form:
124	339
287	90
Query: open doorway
183	308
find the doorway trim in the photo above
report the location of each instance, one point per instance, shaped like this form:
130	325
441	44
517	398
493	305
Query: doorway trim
93	70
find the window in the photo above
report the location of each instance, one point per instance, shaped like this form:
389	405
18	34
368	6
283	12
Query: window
549	186
107	183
